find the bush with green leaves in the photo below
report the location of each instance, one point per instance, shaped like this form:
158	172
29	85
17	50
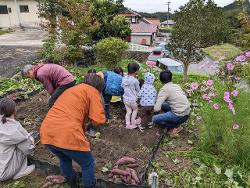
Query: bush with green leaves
109	51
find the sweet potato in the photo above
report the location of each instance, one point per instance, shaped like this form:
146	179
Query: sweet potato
133	165
125	160
134	175
133	182
120	172
129	178
124	179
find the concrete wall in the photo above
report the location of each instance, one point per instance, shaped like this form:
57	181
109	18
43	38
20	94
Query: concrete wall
29	19
137	39
139	56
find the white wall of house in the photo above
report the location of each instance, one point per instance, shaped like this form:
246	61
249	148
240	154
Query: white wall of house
23	12
139	39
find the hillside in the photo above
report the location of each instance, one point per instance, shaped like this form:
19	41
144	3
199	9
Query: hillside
161	15
237	7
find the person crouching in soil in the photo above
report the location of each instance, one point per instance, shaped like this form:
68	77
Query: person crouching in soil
55	78
147	96
174	104
15	144
62	131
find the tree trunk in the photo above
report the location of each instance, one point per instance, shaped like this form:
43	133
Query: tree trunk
185	73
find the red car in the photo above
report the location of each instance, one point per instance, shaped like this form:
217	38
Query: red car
156	54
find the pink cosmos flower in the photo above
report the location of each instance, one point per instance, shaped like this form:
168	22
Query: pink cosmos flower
227	98
227	93
209	82
194	86
247	54
235	93
206	97
189	92
202	66
241	58
211	94
236	126
231	107
216	106
230	66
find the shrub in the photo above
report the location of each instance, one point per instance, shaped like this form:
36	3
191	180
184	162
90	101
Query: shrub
110	51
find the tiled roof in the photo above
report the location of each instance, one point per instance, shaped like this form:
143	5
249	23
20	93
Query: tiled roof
155	21
143	27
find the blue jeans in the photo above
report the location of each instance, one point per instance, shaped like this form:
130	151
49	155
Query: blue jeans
84	159
169	119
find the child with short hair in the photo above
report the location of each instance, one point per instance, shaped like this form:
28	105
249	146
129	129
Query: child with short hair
131	88
15	144
148	96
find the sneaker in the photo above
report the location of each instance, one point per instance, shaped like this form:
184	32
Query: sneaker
175	131
141	128
131	126
91	133
150	125
138	121
26	172
58	179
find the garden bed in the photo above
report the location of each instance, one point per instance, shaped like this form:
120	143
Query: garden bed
115	141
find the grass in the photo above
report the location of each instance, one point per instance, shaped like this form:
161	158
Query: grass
222	52
2	32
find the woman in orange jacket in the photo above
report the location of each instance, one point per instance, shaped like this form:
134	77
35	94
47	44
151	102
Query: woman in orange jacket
62	130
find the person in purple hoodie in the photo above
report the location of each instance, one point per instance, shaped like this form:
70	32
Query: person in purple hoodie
55	78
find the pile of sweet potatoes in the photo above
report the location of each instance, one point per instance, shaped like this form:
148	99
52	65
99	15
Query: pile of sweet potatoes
124	172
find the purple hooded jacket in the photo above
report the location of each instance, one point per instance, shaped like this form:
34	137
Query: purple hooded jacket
52	76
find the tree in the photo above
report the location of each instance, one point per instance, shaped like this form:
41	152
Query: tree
77	23
50	9
109	51
111	25
199	24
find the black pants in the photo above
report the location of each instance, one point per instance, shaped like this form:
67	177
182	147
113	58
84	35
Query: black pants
58	92
107	100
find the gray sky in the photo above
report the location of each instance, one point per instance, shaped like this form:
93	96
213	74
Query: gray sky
160	5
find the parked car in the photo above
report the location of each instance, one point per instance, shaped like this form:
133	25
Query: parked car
156	54
170	64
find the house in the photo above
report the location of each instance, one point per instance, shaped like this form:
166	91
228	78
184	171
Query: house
155	21
16	13
168	23
143	31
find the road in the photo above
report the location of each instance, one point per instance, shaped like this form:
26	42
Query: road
26	37
19	48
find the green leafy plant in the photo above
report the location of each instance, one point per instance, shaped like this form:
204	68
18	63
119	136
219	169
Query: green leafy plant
17	184
110	51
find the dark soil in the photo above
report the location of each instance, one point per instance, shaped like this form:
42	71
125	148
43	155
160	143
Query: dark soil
171	155
115	142
14	58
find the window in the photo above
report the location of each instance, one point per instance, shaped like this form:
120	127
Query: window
3	9
24	8
133	19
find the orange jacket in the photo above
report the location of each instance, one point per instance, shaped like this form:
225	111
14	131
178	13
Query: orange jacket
64	125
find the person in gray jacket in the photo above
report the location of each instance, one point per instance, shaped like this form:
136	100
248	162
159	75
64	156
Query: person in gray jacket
174	104
15	144
131	88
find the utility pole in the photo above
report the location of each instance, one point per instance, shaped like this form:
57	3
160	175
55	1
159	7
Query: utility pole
168	4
